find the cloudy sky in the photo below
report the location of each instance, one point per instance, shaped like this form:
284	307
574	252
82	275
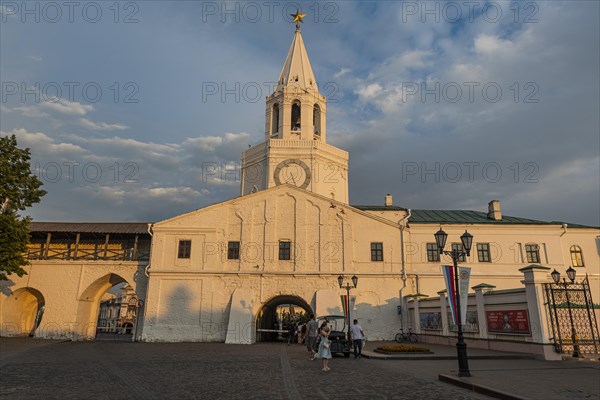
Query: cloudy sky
139	111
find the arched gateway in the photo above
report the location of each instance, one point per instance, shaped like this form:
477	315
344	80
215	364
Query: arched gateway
275	316
22	312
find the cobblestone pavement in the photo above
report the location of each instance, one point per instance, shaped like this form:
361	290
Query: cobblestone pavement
145	371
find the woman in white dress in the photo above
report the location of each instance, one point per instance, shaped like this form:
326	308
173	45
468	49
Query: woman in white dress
324	352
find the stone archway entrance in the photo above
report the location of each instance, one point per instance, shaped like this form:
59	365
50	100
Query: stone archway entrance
23	311
103	313
275	316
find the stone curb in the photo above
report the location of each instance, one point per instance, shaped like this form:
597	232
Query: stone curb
478	388
379	356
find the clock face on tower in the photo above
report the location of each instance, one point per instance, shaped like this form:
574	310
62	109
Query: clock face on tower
294	172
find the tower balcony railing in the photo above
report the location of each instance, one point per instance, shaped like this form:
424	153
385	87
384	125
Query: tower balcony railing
307	144
293	143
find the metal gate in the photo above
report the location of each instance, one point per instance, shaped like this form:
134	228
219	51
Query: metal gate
571	313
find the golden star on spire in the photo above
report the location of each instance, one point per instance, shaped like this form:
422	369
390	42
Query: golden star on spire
298	17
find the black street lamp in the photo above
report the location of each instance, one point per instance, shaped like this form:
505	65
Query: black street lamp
347	286
467	242
556	278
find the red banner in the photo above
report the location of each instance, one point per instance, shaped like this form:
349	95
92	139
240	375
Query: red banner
512	321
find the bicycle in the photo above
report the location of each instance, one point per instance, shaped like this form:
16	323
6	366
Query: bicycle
402	337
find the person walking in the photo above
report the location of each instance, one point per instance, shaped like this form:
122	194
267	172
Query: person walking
302	335
357	334
311	335
291	333
298	334
324	352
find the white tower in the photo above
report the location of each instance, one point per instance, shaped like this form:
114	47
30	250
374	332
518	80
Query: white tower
295	150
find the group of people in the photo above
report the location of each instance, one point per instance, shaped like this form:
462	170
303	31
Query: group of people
296	333
319	345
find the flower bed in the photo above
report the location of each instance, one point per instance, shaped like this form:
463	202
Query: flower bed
403	348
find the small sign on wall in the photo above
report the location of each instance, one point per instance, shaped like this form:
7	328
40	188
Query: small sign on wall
470	325
431	321
509	321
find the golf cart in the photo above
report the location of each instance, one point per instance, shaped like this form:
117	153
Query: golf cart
338	334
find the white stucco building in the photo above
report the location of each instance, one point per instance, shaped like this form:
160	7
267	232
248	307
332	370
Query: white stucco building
218	273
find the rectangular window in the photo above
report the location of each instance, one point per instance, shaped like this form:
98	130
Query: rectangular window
284	250
433	252
483	252
185	249
533	253
233	250
376	251
459	247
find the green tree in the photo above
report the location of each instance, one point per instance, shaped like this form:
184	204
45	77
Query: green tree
19	189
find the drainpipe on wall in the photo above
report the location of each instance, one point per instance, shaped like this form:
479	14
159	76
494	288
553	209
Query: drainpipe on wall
243	175
141	317
403	272
150	256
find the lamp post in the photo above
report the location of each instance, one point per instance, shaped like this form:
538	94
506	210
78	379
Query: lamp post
467	242
347	286
556	278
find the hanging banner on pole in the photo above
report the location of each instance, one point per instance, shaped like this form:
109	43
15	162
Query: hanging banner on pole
347	303
464	276
448	272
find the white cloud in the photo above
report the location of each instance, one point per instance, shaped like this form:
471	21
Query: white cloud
207	143
178	194
414	59
31	111
41	144
67	107
35	59
234	137
486	44
166	195
342	72
369	92
101	126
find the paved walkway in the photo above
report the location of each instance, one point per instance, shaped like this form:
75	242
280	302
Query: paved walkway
505	375
121	370
12	347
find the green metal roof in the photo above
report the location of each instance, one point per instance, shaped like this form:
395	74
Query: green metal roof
466	216
463	217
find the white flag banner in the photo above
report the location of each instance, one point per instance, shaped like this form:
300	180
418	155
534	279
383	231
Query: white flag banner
464	276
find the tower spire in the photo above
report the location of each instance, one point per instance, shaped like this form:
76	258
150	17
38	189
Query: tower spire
296	70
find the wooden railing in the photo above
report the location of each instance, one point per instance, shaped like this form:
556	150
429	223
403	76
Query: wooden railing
95	251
